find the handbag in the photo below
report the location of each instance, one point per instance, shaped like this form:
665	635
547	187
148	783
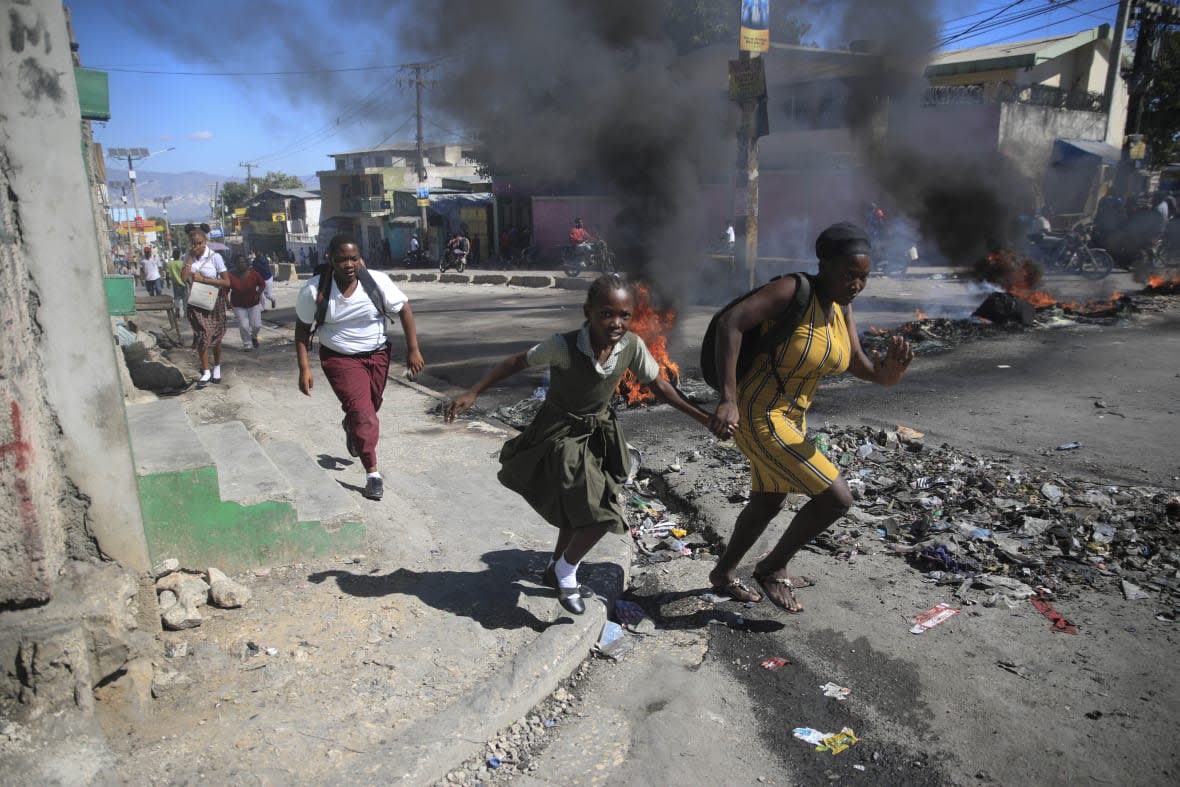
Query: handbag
203	296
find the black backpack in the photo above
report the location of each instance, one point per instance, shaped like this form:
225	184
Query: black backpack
370	286
754	344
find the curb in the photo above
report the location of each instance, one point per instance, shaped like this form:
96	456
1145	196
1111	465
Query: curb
531	281
573	284
425	752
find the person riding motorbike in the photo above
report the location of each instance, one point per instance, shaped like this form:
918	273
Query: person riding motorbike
580	239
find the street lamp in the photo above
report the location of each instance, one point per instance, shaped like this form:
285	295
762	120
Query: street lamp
133	155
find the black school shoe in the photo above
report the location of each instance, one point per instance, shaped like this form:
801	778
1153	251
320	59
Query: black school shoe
571	601
549	579
374	488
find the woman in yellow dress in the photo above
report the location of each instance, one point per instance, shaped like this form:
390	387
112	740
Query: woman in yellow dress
765	411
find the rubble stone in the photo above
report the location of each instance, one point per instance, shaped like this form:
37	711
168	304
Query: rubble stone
181	616
168	600
165	567
228	594
190	590
213	575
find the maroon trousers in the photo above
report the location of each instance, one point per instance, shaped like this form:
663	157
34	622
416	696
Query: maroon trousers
359	384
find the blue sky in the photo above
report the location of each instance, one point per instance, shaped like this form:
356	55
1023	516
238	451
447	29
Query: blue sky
220	104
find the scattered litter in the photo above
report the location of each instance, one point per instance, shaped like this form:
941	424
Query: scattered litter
494	762
1134	592
834	742
628	612
1060	624
858	767
614	642
821	443
550	723
773	663
1069	446
932	617
906	433
834	690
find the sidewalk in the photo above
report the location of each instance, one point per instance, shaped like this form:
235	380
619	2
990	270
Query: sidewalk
391	666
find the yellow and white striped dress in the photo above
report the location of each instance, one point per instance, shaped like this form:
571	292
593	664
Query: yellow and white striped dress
772	424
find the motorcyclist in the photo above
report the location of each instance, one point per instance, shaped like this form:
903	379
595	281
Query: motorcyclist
580	239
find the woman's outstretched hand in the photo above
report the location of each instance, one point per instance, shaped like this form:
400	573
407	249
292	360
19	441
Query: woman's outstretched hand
459	405
724	421
892	366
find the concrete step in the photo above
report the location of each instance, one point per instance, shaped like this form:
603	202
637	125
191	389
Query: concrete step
317	497
245	474
163	440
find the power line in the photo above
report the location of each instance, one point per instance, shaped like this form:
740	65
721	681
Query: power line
329	129
1026	31
977	25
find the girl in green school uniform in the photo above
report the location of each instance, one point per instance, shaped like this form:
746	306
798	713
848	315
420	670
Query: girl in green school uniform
570	462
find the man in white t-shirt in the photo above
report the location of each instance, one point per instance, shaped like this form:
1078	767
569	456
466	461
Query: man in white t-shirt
354	351
151	272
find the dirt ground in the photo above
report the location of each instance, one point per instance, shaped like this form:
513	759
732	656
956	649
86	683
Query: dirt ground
991	696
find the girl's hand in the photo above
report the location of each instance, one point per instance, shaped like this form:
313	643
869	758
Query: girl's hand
893	365
459	405
724	421
306	381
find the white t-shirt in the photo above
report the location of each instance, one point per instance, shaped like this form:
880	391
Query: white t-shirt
209	264
151	269
352	325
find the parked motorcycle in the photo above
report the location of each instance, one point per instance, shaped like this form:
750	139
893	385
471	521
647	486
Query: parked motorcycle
1071	253
416	258
589	256
453	258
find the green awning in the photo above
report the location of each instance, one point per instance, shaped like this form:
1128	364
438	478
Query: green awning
94	94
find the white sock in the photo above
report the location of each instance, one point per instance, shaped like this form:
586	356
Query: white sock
205	376
217	371
373	474
567	575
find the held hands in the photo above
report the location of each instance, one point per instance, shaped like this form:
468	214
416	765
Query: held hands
893	365
459	405
724	421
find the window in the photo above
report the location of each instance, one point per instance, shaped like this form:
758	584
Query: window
340	163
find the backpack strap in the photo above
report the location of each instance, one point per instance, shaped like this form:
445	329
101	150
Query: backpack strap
782	328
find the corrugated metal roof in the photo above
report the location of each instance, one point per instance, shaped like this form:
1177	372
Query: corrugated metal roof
297	193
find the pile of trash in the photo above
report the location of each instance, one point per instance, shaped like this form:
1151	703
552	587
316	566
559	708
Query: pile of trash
987	525
658	533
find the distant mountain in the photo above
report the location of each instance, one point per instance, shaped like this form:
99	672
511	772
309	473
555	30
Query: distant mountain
190	191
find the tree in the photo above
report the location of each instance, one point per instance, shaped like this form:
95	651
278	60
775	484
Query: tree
1161	115
234	195
692	24
279	180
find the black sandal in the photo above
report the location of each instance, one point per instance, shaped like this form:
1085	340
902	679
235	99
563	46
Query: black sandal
765	581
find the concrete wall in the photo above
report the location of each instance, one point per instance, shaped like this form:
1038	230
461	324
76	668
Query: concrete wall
67	480
1027	134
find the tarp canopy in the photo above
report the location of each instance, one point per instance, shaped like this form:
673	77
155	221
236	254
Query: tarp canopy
448	205
1064	150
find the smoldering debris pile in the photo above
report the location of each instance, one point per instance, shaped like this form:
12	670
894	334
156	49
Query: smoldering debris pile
1001	313
998	532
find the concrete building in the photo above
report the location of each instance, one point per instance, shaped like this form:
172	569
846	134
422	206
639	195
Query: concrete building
282	220
358	193
1021	99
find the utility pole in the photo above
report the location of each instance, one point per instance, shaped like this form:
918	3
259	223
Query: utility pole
747	86
249	178
1114	66
418	69
163	203
133	155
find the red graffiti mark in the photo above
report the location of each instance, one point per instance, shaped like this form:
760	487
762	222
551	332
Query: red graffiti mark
18	445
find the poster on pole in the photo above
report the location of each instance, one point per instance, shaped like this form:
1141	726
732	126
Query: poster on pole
755	29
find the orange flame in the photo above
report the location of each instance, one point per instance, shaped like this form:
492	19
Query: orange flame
1157	281
1019	276
652	324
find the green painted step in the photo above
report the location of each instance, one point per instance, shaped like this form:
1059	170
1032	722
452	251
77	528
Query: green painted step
211	496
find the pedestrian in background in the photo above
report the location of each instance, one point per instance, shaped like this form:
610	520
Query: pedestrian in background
175	270
151	272
263	266
571	461
354	350
202	265
245	297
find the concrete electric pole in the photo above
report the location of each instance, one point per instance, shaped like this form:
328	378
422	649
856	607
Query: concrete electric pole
249	178
418	69
132	155
163	203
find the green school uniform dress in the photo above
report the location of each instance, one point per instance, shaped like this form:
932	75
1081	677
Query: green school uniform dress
571	460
